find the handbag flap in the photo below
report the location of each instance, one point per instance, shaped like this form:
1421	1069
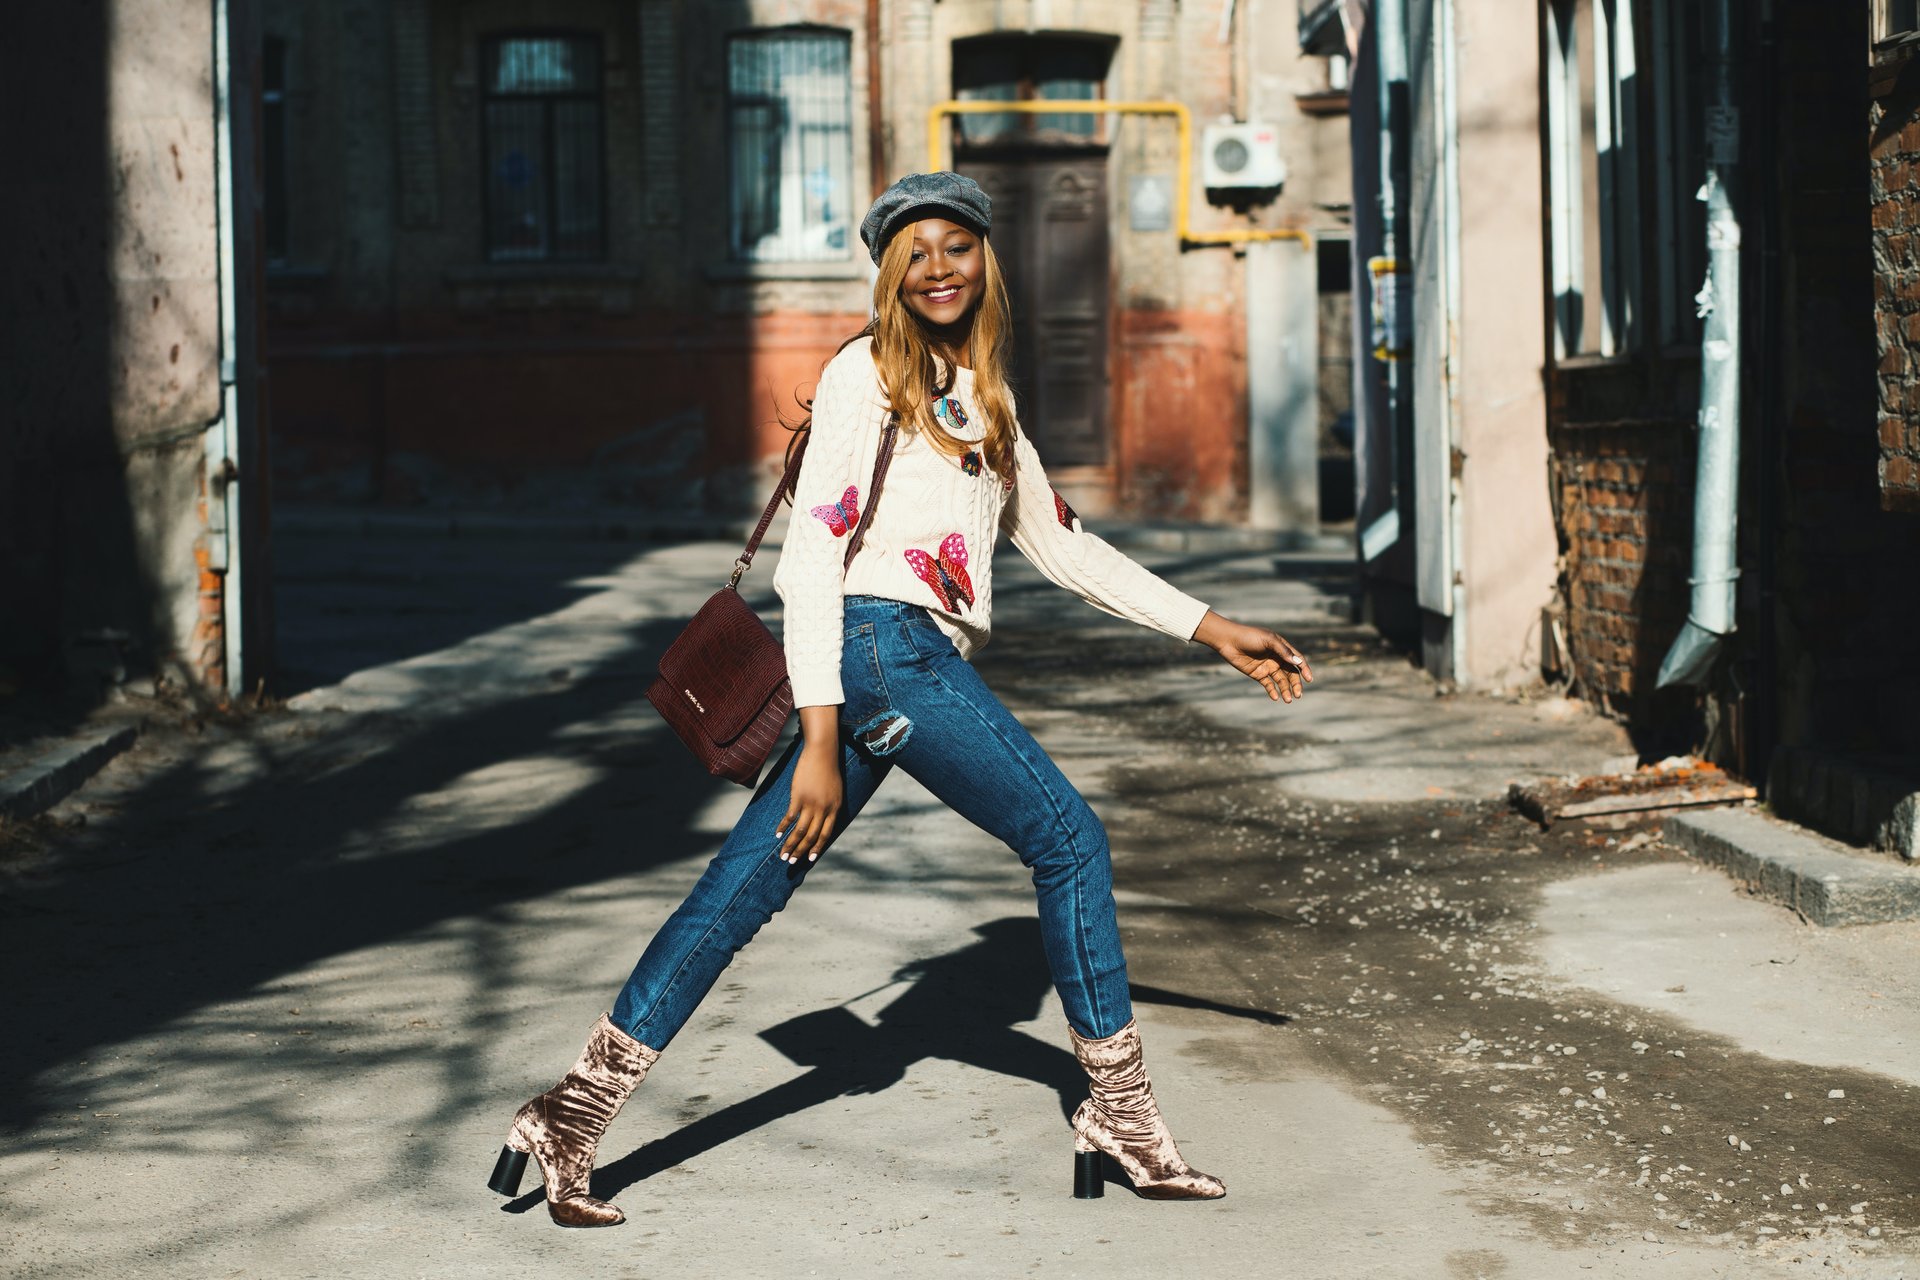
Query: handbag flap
726	664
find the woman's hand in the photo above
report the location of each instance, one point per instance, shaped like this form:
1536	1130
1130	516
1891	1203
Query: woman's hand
1258	654
813	804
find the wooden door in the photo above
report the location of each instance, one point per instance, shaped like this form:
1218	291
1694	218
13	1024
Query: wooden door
1050	234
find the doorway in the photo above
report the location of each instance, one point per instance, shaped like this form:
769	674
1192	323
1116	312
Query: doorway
1047	176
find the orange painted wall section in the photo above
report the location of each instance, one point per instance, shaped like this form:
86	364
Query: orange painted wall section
687	412
1179	414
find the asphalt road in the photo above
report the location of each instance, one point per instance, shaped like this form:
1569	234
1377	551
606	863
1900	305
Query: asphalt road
280	979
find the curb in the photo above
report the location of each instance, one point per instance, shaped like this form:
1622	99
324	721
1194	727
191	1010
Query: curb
59	773
1826	882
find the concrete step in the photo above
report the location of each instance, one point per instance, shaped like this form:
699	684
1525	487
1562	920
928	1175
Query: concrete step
56	772
1824	880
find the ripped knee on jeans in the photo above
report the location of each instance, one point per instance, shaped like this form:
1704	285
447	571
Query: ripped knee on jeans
885	734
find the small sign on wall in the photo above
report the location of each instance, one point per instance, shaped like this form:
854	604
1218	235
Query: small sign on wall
1392	319
1150	202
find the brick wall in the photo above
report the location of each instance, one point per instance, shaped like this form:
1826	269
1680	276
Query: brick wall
1894	118
1622	497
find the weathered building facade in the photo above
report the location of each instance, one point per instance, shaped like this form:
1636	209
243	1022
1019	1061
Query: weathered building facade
1778	142
596	250
131	511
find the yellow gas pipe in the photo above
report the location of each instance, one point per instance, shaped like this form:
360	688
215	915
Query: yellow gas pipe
937	114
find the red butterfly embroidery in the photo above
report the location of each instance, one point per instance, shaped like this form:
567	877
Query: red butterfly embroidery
946	574
1063	511
842	515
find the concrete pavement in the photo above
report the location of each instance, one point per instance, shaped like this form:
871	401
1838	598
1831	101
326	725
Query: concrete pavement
274	1003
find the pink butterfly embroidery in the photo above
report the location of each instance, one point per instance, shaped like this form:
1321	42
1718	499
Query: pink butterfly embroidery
1063	511
946	573
842	515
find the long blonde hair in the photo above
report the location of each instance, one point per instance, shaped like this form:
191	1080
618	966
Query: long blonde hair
915	368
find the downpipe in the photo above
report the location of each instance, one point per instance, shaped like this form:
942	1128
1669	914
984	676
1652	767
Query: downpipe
222	444
1710	614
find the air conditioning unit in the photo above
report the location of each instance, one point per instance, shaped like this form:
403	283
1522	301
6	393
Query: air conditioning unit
1242	157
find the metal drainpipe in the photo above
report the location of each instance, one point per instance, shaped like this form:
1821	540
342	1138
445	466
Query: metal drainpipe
222	436
1447	55
1710	616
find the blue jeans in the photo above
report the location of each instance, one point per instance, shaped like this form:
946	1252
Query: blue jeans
911	700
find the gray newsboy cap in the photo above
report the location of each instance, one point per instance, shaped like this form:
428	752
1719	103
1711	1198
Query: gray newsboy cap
925	195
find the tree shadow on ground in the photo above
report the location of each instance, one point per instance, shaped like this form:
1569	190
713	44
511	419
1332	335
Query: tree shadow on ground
200	890
348	602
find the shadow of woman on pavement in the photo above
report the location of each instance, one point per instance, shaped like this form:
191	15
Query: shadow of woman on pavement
963	1006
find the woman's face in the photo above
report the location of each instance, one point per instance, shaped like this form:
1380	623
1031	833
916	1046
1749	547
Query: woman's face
945	274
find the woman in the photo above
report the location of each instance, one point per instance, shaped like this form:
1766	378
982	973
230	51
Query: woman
877	658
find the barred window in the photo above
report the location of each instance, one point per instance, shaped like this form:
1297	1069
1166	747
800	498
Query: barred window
545	184
790	144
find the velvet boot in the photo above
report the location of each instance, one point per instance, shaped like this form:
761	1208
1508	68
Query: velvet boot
1121	1121
561	1127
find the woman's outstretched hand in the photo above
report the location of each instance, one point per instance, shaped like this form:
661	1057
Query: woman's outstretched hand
813	804
1257	653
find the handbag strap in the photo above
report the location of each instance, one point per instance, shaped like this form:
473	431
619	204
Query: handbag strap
787	479
880	465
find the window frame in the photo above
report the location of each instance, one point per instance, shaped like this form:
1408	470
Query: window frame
793	146
1027	130
1893	19
491	41
1679	159
1618	150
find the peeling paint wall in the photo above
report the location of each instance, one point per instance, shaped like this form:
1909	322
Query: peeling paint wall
113	364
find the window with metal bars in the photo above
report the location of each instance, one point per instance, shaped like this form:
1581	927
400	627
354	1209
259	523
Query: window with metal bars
545	187
790	145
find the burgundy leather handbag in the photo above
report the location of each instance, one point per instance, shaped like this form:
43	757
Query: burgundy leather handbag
723	684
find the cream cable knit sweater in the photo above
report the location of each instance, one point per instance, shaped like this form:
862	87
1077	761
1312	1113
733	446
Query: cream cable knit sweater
932	535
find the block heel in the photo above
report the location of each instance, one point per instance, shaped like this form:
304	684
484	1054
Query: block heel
507	1171
1089	1176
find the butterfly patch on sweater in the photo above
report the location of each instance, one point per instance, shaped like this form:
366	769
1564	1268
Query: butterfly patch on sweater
944	572
1063	512
971	463
952	416
842	515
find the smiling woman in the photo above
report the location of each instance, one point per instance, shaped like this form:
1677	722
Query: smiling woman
937	280
877	643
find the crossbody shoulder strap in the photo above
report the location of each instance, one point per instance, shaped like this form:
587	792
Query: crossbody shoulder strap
787	478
